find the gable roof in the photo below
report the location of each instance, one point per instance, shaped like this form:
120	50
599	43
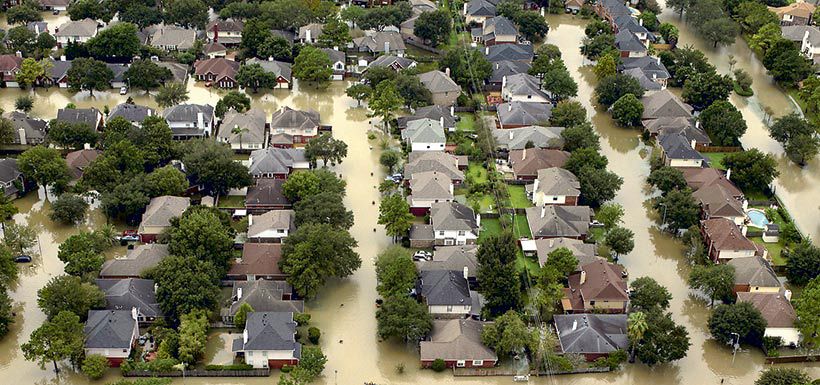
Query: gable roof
335	55
438	82
498	26
717	201
557	181
480	8
289	118
264	296
161	209
392	61
697	178
519	113
258	259
724	234
452	216
269	331
431	185
58	69
774	307
517	138
421	161
558	221
82	28
591	333
649	65
527	161
800	9
314	28
664	104
642	78
274	219
219	67
35	129
677	147
275	160
434	112
603	281
584	252
454	340
627	41
754	272
178	70
424	131
444	287
252	121
125	294
173	36
133	113
189	113
523	84
9	170
277	68
10	62
453	258
226	25
109	329
506	68
376	42
78	160
89	116
138	261
267	191
512	52
214	47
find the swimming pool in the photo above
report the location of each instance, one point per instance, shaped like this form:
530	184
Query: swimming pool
758	218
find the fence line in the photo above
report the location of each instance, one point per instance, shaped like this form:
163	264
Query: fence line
200	373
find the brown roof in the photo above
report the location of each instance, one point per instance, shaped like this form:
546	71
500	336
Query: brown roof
717	201
258	259
697	178
218	66
78	160
775	308
798	9
725	235
528	161
266	192
456	339
603	282
754	272
10	62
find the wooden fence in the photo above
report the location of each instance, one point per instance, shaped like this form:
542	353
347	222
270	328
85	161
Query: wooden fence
792	359
200	373
704	148
509	372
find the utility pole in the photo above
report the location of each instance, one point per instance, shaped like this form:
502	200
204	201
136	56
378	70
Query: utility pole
735	346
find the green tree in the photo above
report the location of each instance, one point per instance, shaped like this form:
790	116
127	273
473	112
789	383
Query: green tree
117	41
786	63
147	75
434	26
753	16
277	47
359	92
24	13
765	37
636	327
610	89
167	180
585	157
647	295
335	33
187	13
185	284
562	261
385	100
721	31
532	26
312	65
325	207
797	137
598	185
497	273
724	123
568	113
395	272
193	335
716	281
200	234
680	208
315	252
803	264
627	111
468	67
24	103
71	135
22	39
508	335
411	89
82	254
233	100
19	237
809	93
403	317
649	20
6	312
8	268
325	147
667	179
242	315
597	27
255	77
254	34
663	341
140	14
669	32
90	75
808	319
68	209
751	169
56	340
30	71
211	164
394	214
171	94
389	159
610	214
599	46
579	137
94	366
310	366
783	376
620	240
43	165
91	9
703	89
605	67
558	82
685	62
742	318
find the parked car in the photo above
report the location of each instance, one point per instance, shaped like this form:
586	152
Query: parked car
22	258
123	90
129	236
422	255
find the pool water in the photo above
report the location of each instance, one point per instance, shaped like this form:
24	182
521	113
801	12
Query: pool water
758	218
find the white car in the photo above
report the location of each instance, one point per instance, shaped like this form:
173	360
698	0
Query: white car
422	255
123	90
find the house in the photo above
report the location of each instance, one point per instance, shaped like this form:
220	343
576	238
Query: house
171	38
77	161
262	295
458	343
629	45
537	136
521	114
810	45
288	35
505	68
609	10
421	6
11	179
394	62
27	130
496	30
445	292
134	113
598	287
725	241
686	127
277	162
269	340
454	258
664	104
797	13
119	80
754	275
111	333
553	221
158	214
509	52
383	42
244	130
136	263
591	335
635	27
259	261
523	87
424	135
444	115
214	49
651	68
266	195
281	71
444	90
526	163
300	125
427	188
338	60
190	120
309	34
9	67
91	117
554	186
76	31
54	5
678	152
697	178
270	227
57	73
717	201
477	11
218	71
584	252
642	78
454	224
227	32
132	293
440	162
179	71
777	310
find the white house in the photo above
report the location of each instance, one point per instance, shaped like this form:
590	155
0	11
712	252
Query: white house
454	224
777	310
111	333
554	186
270	227
523	87
425	135
269	340
190	120
77	31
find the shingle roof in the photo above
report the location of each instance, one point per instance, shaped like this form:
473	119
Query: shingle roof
506	68
513	52
754	272
523	84
524	113
289	118
264	296
480	8
724	234
517	138
452	216
270	331
109	329
138	261
433	161
642	78
78	160
584	252
274	219
161	209
376	42
456	339
697	178
258	259
717	201
798	32
178	70
9	62
604	281
680	126
314	28
650	65
169	35
58	69
677	147
775	308
444	287
455	258
232	25
266	191
431	185
558	182
35	129
629	23
591	333
277	68
133	113
87	116
9	170
275	160
434	112
252	122
335	55
125	294
528	161
188	113
220	67
800	9
424	131
626	41
437	82
498	26
82	28
392	61
558	221
214	47
664	104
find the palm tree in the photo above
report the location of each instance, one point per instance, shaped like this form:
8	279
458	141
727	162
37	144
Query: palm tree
108	234
636	327
236	130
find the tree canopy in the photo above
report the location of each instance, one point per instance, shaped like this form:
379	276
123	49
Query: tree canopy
497	273
316	252
742	318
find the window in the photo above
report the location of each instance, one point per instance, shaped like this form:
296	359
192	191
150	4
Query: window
265	353
554	199
460	363
449	308
280	231
592	303
461	233
250	353
478	362
440	233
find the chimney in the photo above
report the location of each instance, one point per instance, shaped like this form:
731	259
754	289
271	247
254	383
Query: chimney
654	76
511	134
22	133
524	154
552	242
487	49
743	230
451	190
134	313
441	121
86	146
216	32
534	187
250	220
465	8
659	60
386	47
543	211
308	35
503	81
238	294
155	288
466	272
640	22
245	336
728	174
497	65
583	277
478	220
200	120
62	58
787	294
447	71
574	324
19	54
270	58
452	111
693	143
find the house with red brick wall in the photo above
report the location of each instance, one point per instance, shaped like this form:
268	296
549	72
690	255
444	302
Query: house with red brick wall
458	343
218	71
554	186
269	340
599	286
158	215
111	334
591	335
527	162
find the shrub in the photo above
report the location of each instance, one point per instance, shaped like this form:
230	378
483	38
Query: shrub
287	368
438	365
94	366
314	334
229	367
158	365
301	319
400	368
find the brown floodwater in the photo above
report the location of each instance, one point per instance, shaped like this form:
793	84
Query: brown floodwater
345	309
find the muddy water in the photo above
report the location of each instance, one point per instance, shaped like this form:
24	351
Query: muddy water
794	183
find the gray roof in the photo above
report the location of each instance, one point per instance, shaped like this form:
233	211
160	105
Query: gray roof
278	68
452	216
162	208
677	147
109	329
274	219
252	121
125	294
506	68
689	131
188	113
392	61
137	262
626	41
431	185
754	271
444	287
434	112
37	27
664	104
9	170
88	116
629	23
178	70
424	131
584	252
35	129
517	138
650	66
314	28
437	82
264	296
498	26
118	70
266	191
591	333
615	7
289	118
643	79
455	258
433	161
558	181
58	68
169	35
480	8
524	113
558	221
335	55
275	160
82	28
375	42
133	113
513	52
455	340
269	331
523	84
224	25
798	32
287	35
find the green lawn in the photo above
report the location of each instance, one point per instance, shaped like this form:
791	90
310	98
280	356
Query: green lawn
518	197
521	228
523	262
596	234
477	173
466	122
715	158
231	201
775	250
489	226
756	195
